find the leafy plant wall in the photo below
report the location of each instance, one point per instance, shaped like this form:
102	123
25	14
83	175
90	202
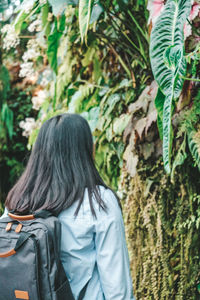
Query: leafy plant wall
92	58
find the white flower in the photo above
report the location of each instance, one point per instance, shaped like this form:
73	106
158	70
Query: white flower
31	54
35	26
10	39
28	126
39	99
32	51
26	69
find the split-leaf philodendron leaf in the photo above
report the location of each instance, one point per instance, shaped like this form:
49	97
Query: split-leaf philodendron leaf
168	62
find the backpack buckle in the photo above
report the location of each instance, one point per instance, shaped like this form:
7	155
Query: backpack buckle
18	228
9	226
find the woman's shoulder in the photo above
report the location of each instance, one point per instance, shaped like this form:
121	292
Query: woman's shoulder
107	196
111	201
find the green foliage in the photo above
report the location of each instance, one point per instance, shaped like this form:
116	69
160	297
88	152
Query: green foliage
85	9
109	82
161	218
53	42
180	157
7	119
13	152
6	114
194	145
4	84
1	208
168	63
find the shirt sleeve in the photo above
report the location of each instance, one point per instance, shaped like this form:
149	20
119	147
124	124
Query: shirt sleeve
111	252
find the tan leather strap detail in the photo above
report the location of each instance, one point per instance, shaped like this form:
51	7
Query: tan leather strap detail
21	295
18	228
21	218
9	226
6	254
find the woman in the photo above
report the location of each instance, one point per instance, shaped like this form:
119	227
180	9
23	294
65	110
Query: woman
61	177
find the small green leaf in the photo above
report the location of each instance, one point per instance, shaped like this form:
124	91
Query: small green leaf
120	123
7	119
4	83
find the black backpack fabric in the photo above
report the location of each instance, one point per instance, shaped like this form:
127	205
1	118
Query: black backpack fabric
30	267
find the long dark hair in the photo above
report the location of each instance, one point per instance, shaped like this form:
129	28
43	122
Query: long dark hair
60	167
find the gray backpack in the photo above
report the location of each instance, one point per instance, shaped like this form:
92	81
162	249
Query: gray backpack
30	267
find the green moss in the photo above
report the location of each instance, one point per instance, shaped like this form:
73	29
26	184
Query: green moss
164	250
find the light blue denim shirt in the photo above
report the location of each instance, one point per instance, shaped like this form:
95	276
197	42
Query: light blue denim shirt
95	250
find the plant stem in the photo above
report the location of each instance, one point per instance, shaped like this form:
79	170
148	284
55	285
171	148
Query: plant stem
121	61
27	37
191	79
133	44
138	26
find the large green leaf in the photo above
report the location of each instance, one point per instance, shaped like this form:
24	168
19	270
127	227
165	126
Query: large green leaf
53	42
85	9
168	63
167	45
